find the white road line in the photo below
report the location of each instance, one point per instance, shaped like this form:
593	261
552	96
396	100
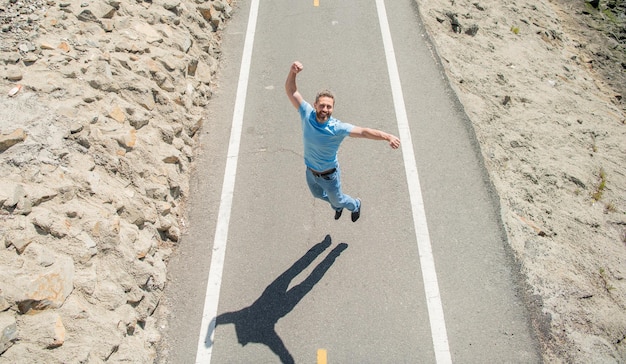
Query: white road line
211	300
431	287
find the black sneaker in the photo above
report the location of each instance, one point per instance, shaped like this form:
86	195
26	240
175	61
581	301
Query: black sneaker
338	214
356	213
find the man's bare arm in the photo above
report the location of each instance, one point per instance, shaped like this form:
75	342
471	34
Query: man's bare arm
290	85
368	133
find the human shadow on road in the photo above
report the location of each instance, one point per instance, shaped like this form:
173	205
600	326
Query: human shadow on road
256	323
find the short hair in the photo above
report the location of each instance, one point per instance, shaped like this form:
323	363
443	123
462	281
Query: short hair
325	93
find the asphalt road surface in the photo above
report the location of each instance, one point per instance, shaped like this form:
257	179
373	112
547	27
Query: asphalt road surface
266	275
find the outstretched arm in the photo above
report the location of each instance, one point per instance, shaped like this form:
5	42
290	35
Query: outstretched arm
290	85
359	132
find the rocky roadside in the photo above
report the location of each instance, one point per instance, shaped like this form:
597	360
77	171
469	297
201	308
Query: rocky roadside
543	84
100	103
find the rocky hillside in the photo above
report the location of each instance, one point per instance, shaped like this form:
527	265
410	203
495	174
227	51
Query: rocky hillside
100	102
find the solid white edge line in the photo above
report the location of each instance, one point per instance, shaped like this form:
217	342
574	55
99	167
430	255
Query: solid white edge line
214	283
427	262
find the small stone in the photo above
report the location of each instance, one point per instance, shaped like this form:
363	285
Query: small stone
30	58
76	127
100	10
8	331
173	233
139	119
147	100
26	47
117	114
10	58
9	140
218	5
171	5
149	34
18	241
127	139
171	63
107	25
205	12
192	67
152	65
14	73
46	46
49	223
64	47
472	30
167	85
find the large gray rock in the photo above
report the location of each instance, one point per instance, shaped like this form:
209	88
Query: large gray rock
42	286
8	331
95	11
9	140
44	329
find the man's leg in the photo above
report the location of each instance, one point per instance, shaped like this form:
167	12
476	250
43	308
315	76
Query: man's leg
339	200
316	189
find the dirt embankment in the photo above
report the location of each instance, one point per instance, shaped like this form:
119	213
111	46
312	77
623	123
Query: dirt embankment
543	84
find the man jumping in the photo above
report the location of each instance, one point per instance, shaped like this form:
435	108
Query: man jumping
322	135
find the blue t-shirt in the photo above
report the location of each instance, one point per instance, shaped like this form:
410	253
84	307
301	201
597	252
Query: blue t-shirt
321	141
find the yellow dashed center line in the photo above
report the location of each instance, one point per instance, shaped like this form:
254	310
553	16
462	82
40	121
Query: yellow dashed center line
321	356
